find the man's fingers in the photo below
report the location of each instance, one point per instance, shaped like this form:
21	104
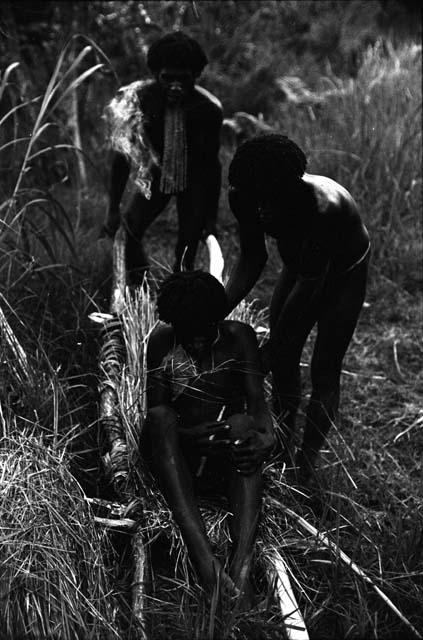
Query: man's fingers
219	432
218	426
241	446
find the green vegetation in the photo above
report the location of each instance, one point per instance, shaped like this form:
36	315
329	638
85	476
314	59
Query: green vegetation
343	79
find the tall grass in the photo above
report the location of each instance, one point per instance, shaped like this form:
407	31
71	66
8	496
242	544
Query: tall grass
36	229
366	133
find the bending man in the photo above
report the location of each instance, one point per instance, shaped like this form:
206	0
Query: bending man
203	372
324	249
168	128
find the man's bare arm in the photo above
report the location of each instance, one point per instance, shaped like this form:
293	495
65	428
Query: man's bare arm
259	441
251	262
158	387
253	381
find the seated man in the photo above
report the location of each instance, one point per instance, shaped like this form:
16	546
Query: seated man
168	129
207	420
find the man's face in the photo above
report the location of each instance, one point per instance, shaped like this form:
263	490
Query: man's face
267	211
197	338
176	83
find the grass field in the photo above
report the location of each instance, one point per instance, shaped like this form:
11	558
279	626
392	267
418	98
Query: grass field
369	497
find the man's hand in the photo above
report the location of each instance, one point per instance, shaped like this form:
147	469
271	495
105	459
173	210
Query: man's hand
250	446
252	449
211	438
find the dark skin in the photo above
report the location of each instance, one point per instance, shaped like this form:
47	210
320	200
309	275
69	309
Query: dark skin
320	237
184	429
197	205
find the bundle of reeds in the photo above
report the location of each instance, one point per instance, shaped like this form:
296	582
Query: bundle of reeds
53	578
138	321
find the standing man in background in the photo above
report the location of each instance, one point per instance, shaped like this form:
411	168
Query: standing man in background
325	250
168	130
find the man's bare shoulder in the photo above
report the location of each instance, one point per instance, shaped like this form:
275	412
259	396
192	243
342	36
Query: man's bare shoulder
241	332
330	195
160	343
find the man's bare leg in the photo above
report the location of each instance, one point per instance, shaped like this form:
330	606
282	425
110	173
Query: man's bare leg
335	329
176	483
140	214
245	494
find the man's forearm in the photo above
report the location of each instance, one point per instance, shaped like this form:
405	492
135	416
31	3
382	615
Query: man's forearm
242	280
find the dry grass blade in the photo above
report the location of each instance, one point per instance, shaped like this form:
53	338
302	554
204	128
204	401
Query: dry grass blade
51	551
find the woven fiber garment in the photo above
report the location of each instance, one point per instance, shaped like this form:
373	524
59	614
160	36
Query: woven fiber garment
174	163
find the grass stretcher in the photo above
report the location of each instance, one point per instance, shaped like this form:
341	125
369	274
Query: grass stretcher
112	360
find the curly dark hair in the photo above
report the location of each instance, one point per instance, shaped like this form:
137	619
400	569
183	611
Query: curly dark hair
176	50
266	161
191	298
